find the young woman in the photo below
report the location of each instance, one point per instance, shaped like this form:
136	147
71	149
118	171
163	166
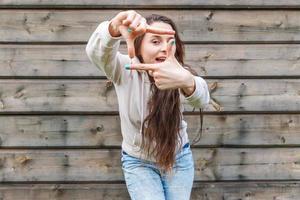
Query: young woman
151	83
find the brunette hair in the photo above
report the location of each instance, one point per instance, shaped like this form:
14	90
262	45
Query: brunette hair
161	128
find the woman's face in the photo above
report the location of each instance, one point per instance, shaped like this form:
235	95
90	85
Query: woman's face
154	46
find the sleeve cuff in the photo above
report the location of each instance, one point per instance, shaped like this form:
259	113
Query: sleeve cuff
200	96
107	39
194	94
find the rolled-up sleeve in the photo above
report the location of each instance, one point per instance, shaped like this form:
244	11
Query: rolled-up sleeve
200	97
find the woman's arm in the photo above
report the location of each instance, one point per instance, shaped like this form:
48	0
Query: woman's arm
170	74
189	87
102	47
200	97
102	50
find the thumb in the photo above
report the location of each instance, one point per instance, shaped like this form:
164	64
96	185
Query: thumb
130	48
171	49
129	40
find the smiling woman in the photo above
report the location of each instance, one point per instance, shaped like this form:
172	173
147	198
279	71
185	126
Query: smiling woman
157	160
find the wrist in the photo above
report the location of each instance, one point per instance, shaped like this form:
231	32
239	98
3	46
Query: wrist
189	86
189	81
113	29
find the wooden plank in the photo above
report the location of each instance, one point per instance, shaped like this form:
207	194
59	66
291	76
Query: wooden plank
245	190
64	191
274	60
219	190
47	131
86	95
151	4
211	164
205	26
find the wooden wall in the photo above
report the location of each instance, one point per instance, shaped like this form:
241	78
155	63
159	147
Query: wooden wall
59	125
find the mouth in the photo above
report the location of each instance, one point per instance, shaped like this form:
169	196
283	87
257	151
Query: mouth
160	59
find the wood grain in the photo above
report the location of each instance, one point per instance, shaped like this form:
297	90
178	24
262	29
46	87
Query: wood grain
239	4
287	190
71	61
194	26
211	164
104	131
96	96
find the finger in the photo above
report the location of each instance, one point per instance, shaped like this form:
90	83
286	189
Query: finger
156	75
171	49
150	72
136	21
129	41
123	30
142	27
122	16
141	66
150	29
129	18
158	85
130	47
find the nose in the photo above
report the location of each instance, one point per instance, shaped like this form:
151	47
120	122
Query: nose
164	46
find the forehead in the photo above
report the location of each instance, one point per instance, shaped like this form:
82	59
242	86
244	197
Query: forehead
161	25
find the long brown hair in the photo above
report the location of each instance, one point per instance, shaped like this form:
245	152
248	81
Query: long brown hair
161	128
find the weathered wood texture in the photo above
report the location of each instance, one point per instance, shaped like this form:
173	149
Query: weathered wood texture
59	118
199	26
211	164
150	4
217	190
229	60
97	96
104	131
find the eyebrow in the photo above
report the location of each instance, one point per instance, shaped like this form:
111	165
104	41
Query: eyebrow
160	36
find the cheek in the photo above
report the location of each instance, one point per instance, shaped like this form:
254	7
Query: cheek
149	53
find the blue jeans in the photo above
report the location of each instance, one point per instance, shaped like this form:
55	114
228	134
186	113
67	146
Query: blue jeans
145	182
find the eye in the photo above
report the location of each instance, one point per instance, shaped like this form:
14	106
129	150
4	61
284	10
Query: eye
155	41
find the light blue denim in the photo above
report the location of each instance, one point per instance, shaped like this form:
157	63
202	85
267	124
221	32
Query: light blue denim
145	182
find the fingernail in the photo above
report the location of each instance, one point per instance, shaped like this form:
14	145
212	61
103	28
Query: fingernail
127	66
129	30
